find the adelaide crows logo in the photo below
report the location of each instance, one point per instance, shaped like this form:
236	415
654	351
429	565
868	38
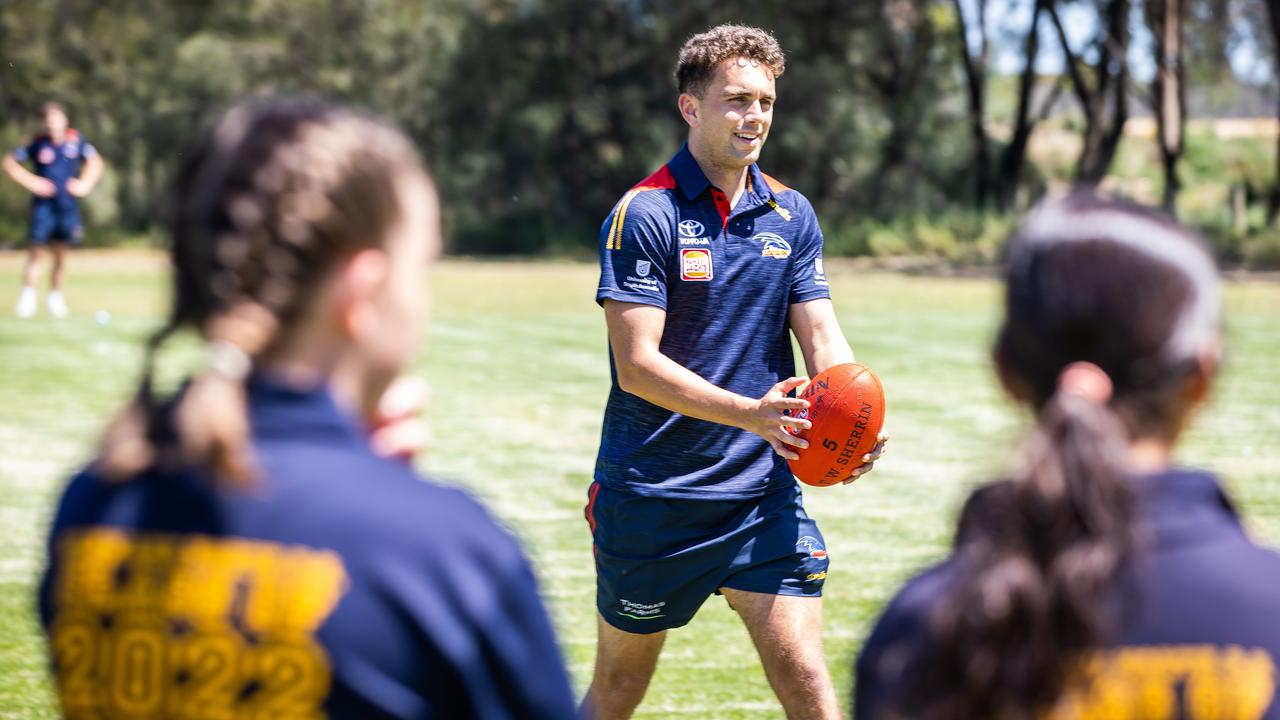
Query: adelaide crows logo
811	544
773	245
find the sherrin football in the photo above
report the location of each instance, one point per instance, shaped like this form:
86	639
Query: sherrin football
846	408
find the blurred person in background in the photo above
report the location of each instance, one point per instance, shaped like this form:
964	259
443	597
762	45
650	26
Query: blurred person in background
250	548
66	168
1102	580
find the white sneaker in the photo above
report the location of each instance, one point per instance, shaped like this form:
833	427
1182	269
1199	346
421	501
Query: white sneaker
26	303
57	305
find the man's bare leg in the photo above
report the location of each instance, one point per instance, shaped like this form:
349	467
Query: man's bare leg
59	251
31	273
787	632
625	663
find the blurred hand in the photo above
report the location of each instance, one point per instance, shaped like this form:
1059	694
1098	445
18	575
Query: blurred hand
42	187
869	460
398	429
768	418
78	187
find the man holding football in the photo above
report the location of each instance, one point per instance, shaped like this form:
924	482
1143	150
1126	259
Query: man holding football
707	268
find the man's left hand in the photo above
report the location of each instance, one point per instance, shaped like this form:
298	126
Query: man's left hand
78	187
869	460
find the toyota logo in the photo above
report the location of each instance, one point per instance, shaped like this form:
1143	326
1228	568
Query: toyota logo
690	228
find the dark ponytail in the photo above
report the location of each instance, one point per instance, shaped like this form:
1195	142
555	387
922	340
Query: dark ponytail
1038	555
267	203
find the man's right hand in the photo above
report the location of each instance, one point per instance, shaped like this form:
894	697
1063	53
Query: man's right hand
42	187
767	418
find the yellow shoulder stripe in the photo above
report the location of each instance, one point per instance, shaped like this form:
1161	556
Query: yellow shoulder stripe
615	232
786	214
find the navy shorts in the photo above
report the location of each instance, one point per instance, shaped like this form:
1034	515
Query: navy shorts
659	559
51	222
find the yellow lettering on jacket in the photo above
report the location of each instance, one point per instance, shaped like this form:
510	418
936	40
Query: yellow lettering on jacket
1200	682
153	625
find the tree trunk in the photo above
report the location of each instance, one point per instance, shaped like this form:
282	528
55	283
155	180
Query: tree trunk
908	63
1166	18
1014	153
976	74
1273	207
1273	204
1102	135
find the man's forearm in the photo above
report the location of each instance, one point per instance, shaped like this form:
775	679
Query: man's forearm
829	355
92	171
16	172
667	384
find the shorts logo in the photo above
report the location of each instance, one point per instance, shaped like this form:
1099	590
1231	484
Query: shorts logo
695	265
773	245
641	611
690	228
46	155
817	267
642	268
812	546
811	577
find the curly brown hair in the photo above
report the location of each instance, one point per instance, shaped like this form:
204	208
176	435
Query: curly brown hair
702	53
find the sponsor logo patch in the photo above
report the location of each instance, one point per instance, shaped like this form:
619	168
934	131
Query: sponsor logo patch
690	228
641	611
642	268
695	265
46	155
702	241
811	545
772	245
71	151
816	576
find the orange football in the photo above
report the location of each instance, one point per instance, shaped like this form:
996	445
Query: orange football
846	407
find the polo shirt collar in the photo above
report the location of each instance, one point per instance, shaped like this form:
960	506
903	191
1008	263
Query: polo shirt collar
693	182
757	185
1187	507
278	410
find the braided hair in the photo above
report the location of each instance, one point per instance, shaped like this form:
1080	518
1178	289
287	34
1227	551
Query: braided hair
272	198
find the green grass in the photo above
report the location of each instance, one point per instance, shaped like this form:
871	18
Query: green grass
516	358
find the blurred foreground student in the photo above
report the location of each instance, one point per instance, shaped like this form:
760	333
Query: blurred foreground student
1101	581
242	551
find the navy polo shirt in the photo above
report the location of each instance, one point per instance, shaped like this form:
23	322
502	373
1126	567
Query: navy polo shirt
1199	638
726	278
56	163
340	584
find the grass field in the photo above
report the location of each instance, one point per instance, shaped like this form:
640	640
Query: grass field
516	359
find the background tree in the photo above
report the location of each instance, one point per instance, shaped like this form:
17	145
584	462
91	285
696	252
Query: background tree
1273	18
1101	86
1013	158
1166	19
975	71
897	118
